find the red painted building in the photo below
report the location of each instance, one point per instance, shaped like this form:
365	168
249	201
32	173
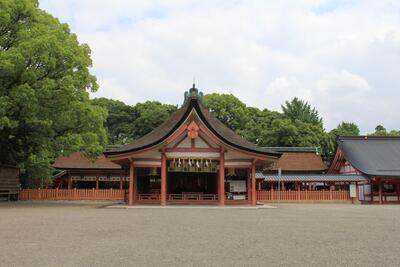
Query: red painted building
376	158
192	158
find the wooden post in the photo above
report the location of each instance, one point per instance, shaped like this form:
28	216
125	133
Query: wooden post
221	180
357	192
253	184
372	191
163	179
398	191
97	181
249	185
130	196
298	190
272	190
380	191
69	180
121	178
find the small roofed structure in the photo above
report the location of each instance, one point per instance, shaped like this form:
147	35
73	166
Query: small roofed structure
299	160
9	181
78	171
377	158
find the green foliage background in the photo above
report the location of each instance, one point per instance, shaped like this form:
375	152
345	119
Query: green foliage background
45	108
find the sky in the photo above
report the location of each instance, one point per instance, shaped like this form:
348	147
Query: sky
343	57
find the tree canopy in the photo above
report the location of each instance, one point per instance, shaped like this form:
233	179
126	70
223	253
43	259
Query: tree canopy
44	83
381	131
126	123
300	110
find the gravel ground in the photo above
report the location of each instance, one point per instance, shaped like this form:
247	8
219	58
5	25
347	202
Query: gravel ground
87	234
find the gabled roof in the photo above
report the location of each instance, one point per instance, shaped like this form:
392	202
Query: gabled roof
77	160
166	129
375	156
300	162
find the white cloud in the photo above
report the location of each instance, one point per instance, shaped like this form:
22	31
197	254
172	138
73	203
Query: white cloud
341	56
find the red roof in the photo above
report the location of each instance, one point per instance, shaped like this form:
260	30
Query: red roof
77	160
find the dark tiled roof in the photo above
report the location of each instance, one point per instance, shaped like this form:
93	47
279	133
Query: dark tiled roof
78	161
311	177
378	156
167	128
301	162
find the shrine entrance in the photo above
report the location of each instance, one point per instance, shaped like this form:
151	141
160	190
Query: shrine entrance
192	181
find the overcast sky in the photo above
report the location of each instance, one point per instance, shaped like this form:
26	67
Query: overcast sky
343	57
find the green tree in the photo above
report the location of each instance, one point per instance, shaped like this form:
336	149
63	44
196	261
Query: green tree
44	82
300	110
381	131
149	115
120	119
345	129
228	109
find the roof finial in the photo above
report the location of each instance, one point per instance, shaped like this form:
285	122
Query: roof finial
194	85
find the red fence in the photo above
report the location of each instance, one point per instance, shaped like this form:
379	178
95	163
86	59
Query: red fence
341	195
71	194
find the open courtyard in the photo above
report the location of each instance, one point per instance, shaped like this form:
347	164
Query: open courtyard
89	234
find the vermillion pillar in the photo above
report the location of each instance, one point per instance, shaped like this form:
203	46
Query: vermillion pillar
253	185
163	179
249	186
221	179
380	191
131	177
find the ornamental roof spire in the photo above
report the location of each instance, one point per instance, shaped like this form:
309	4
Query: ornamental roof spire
193	93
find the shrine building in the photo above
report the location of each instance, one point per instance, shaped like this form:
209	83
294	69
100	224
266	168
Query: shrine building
191	158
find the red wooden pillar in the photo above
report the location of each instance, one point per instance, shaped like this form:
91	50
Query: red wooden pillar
298	190
398	191
253	185
380	191
249	185
69	181
272	190
221	180
131	177
97	182
163	179
372	191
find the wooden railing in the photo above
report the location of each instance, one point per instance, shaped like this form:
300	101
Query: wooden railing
192	196
327	195
71	194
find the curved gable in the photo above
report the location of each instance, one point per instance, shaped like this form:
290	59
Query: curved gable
168	128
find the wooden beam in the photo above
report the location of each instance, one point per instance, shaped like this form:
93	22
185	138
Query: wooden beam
188	149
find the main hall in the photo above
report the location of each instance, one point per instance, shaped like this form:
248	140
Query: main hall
192	158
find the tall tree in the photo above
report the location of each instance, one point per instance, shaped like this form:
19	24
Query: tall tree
149	115
120	119
228	109
345	129
300	110
44	82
